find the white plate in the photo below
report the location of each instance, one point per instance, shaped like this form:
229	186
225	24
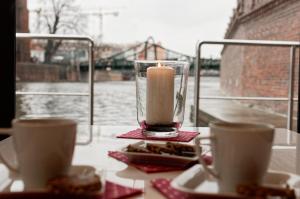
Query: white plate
158	159
15	184
197	183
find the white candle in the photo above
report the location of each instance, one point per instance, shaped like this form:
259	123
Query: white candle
160	95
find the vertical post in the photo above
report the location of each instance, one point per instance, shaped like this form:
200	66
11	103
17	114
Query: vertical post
298	154
298	111
155	51
8	63
291	90
146	49
298	122
101	27
91	93
197	82
91	82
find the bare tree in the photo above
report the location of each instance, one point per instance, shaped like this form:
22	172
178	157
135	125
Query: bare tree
58	17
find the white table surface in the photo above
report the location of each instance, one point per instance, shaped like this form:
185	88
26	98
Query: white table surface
104	140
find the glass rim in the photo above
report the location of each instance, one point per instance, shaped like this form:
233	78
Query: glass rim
160	61
43	122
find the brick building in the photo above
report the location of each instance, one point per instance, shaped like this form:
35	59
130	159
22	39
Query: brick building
260	71
22	46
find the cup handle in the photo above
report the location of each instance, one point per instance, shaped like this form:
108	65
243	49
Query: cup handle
199	154
13	168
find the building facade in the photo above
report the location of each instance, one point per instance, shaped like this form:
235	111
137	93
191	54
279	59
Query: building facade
260	71
22	17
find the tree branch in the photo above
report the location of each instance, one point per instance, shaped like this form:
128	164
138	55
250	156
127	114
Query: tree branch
59	20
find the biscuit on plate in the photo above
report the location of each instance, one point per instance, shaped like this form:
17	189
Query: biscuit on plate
75	184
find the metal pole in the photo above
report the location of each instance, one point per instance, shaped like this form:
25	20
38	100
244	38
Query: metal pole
91	67
53	36
91	94
298	97
298	154
291	90
290	44
91	81
155	51
197	84
146	46
91	84
253	42
298	123
101	27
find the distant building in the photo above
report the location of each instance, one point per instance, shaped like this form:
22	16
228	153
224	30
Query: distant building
37	51
22	46
260	71
105	50
69	52
74	53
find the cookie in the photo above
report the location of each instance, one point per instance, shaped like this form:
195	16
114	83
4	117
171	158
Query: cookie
75	184
159	149
132	148
264	191
180	147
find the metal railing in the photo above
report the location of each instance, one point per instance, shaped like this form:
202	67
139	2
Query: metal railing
91	73
289	44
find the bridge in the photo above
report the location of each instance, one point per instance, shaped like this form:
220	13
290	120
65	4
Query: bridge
147	50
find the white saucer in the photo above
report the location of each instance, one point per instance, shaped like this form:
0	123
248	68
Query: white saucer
197	183
15	184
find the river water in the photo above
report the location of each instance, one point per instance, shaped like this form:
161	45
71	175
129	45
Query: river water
114	102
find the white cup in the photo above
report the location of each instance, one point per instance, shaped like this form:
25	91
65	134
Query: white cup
44	149
241	153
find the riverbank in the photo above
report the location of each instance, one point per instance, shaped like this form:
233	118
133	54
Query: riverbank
33	72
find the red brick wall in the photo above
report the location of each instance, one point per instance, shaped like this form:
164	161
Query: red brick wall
231	73
31	72
261	71
34	72
22	46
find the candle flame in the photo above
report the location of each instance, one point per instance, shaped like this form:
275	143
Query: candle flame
158	65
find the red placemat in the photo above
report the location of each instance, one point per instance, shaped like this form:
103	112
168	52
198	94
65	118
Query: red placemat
146	168
152	168
184	136
164	187
112	191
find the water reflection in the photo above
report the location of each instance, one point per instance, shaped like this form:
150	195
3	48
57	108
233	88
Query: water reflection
114	102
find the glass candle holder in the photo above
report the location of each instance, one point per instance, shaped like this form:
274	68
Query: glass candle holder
160	96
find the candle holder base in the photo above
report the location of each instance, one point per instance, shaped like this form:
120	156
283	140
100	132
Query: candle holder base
160	131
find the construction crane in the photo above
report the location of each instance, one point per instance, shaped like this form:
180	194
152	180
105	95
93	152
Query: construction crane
100	14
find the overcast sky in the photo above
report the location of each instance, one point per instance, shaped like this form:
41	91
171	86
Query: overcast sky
177	24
